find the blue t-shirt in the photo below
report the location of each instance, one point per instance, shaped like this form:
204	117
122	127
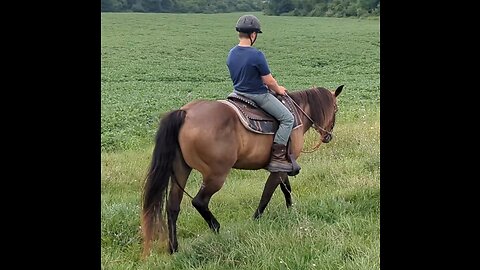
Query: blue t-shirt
246	66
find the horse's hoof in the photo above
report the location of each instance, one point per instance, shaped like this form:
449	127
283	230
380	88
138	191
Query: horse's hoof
215	227
173	249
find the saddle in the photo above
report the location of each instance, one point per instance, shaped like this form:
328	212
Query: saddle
254	118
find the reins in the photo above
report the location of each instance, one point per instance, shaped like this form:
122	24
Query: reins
178	184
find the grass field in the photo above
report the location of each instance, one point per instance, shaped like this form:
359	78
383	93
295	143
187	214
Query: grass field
153	63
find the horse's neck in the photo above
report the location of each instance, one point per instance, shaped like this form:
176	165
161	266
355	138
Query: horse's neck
307	124
298	138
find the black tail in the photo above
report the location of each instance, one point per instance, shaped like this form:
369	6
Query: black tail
161	168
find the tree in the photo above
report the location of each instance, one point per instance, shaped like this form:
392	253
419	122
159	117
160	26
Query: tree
277	7
137	6
106	5
152	5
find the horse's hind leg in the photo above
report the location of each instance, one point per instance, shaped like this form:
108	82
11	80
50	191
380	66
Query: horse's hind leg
178	182
210	185
270	186
287	190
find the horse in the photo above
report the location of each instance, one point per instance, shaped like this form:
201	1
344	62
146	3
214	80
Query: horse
207	135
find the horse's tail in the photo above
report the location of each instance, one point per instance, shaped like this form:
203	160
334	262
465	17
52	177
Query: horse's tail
156	183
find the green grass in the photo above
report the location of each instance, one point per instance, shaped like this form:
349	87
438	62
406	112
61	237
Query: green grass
153	63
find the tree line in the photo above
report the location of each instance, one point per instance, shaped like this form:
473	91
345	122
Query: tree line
316	8
328	8
181	6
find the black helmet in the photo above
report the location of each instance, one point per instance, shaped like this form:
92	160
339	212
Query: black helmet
248	24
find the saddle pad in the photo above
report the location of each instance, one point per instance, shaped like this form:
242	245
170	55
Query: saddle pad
257	120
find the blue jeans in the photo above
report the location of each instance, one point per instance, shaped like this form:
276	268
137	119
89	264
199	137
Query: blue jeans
273	106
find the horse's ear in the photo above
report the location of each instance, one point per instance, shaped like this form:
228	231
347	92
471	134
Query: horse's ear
339	90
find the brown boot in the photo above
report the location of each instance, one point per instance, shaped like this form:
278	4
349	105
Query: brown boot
278	161
296	167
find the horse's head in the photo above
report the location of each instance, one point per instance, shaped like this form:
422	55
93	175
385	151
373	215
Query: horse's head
321	107
330	119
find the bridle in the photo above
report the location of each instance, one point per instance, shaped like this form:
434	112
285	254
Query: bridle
315	126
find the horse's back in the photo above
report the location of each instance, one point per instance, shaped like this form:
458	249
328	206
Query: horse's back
209	117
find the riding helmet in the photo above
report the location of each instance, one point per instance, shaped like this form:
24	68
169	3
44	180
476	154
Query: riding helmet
248	24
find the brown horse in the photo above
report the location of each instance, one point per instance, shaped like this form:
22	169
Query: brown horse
209	137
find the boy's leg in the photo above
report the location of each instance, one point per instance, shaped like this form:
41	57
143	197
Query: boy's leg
279	161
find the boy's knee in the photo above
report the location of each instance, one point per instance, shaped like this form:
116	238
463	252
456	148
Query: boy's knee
287	122
289	119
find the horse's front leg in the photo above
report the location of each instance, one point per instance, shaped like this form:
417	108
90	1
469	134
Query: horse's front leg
287	190
270	186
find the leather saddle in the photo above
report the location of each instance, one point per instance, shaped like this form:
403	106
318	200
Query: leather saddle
255	118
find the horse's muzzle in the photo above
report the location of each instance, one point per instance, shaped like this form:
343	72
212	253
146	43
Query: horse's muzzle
327	138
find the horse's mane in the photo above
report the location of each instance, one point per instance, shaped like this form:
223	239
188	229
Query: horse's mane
320	101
